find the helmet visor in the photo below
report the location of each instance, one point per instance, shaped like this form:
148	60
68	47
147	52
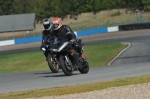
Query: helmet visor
56	25
46	26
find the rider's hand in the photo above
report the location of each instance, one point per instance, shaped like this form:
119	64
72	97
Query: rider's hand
72	41
42	48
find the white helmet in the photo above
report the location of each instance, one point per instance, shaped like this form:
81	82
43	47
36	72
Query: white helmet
47	24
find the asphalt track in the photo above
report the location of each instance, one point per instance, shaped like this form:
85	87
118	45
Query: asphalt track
133	62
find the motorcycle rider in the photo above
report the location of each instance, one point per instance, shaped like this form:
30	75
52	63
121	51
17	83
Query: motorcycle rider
66	32
46	35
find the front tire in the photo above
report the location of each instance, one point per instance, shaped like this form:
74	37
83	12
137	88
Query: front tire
65	68
54	67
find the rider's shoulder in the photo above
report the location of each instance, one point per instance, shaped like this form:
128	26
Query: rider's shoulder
43	32
65	26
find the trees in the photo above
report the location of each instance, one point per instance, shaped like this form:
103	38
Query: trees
6	7
146	4
134	4
22	6
60	8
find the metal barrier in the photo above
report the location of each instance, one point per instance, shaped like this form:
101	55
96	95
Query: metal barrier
78	33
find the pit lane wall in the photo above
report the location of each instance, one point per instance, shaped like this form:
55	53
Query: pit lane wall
78	33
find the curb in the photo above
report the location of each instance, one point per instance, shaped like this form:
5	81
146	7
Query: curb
120	53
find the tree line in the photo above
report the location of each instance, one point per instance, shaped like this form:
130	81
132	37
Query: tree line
61	8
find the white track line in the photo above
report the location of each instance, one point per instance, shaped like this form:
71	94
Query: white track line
120	53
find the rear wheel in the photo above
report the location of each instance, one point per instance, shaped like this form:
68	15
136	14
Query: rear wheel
66	68
54	67
85	68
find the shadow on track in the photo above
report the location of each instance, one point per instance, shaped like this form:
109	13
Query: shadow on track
44	73
61	75
50	74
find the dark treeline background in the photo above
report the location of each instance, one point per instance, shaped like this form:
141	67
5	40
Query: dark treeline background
61	8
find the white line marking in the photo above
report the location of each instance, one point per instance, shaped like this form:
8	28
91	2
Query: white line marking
120	53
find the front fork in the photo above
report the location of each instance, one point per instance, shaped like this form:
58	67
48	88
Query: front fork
54	58
67	59
69	62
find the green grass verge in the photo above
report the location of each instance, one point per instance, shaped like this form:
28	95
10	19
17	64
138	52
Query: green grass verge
76	88
22	62
97	55
102	54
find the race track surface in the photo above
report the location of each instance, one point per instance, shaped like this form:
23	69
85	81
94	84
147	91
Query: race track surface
46	79
133	62
137	53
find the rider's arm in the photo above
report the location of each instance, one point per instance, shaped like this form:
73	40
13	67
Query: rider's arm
70	33
43	39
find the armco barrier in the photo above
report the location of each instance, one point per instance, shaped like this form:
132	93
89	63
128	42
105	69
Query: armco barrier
78	33
97	31
113	29
135	26
7	42
92	31
27	40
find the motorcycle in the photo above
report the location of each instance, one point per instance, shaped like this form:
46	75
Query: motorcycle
52	62
60	52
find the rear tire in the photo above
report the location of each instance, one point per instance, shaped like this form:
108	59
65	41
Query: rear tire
85	69
66	69
53	67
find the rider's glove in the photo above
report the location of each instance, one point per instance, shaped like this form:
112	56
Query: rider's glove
42	48
72	41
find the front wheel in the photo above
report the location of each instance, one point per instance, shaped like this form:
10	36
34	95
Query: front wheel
53	65
66	68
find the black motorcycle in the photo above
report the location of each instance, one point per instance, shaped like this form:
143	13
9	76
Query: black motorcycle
59	52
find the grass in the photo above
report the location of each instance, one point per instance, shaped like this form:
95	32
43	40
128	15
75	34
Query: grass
57	91
22	62
97	55
115	14
102	54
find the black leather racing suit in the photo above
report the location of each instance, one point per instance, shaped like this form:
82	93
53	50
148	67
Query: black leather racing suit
66	32
47	38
